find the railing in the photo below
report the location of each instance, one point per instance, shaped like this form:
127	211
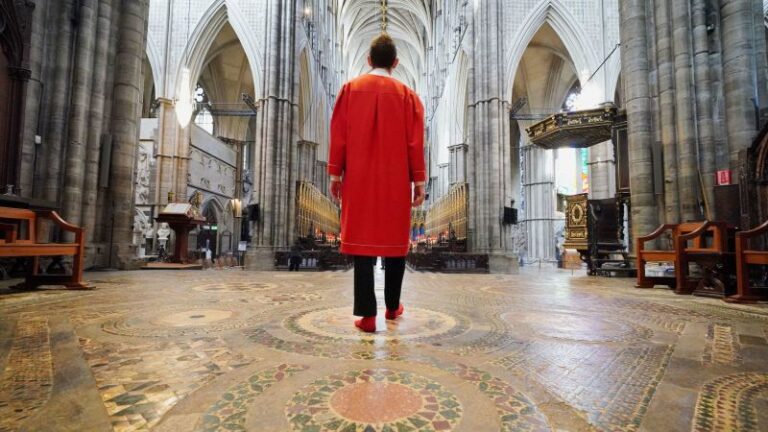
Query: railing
449	262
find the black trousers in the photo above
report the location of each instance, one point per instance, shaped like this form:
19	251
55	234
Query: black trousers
365	298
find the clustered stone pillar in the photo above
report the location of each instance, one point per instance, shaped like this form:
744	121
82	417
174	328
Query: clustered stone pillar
307	157
74	172
126	116
743	73
458	158
488	171
276	137
84	103
635	67
602	168
684	64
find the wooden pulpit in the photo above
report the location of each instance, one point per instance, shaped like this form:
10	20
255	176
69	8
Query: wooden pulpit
182	218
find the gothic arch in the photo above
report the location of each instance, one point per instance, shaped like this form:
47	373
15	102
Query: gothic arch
206	31
567	28
453	108
155	63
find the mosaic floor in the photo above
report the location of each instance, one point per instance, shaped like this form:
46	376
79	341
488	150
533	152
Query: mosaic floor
228	350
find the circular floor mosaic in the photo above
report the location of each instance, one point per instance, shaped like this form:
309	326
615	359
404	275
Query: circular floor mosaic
373	400
577	327
193	317
178	321
337	323
234	287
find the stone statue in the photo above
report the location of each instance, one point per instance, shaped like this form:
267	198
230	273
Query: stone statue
163	232
197	201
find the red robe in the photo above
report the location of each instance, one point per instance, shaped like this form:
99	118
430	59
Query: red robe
377	145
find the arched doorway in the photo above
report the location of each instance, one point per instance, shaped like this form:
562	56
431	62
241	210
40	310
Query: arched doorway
208	237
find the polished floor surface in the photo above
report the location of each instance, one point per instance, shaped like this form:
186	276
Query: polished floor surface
228	350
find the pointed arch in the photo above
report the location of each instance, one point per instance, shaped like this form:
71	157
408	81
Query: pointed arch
155	63
206	31
554	13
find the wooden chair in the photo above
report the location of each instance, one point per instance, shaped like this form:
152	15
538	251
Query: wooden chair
744	258
715	260
20	239
682	254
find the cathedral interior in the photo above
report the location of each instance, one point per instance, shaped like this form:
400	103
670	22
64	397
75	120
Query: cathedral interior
592	254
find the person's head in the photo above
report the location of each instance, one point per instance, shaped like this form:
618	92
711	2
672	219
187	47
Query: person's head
383	53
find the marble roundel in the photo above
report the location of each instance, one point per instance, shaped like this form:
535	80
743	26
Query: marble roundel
177	321
337	323
577	327
375	400
234	287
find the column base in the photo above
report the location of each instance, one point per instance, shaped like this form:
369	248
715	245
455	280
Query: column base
504	264
260	258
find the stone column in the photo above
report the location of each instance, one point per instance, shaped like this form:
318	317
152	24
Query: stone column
306	160
97	120
59	87
602	169
539	201
739	33
103	224
443	176
32	105
687	159
167	148
487	134
704	96
74	173
635	69
125	124
458	171
274	190
667	106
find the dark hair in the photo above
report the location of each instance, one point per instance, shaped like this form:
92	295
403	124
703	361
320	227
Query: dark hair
383	52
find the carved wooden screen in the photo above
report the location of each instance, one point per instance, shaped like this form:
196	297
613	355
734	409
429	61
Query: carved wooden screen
449	216
315	213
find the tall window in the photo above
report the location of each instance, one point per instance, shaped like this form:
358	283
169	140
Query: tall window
204	117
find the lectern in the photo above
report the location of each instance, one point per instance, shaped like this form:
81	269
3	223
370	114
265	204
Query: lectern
182	218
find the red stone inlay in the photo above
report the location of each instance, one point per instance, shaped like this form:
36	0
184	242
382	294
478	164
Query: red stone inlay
376	402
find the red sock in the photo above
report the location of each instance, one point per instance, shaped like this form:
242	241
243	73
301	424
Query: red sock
367	324
390	315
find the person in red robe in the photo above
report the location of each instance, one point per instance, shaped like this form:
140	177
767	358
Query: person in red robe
378	173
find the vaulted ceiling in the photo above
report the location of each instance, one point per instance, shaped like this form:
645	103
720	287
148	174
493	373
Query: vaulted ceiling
408	22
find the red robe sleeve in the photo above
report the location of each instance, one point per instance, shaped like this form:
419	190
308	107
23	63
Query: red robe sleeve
338	152
415	137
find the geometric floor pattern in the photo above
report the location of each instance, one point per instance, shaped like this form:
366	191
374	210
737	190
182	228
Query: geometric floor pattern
229	350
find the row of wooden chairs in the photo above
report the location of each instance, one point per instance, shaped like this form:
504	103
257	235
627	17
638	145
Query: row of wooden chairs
719	251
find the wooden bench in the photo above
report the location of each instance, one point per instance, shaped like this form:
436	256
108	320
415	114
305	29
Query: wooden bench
689	242
20	239
744	258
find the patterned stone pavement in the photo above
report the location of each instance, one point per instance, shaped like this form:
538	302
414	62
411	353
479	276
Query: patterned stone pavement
228	350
